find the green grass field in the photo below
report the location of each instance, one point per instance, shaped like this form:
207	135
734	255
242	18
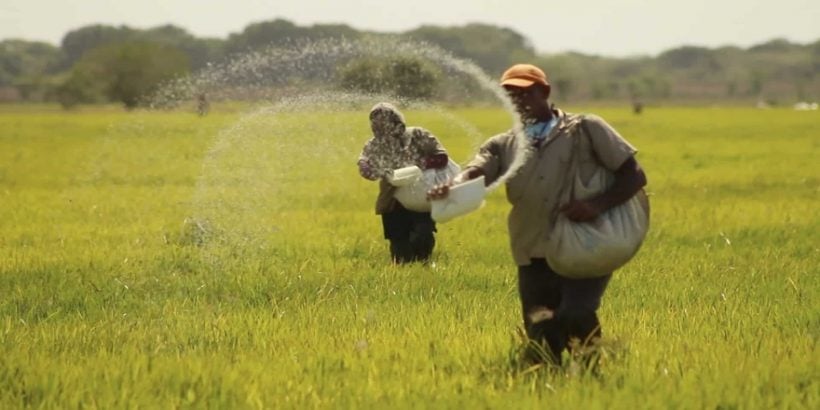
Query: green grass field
161	260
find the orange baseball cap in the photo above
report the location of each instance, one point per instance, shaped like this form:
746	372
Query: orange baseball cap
524	75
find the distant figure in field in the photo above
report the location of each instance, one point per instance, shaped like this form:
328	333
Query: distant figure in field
559	312
394	146
637	107
202	105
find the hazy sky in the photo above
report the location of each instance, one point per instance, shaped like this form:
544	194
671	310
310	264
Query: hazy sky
609	27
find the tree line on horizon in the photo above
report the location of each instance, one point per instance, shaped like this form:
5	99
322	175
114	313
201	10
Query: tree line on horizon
103	63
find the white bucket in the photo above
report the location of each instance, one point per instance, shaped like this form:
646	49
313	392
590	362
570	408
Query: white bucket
404	176
462	199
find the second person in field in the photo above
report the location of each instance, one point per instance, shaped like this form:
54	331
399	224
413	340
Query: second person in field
394	146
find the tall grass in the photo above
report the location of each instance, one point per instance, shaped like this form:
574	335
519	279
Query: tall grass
234	261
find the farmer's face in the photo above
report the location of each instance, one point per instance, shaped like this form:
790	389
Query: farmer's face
384	124
530	102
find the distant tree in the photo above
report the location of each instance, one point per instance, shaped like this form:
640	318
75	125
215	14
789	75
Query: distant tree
613	88
77	42
26	59
605	90
647	86
599	91
82	86
777	45
263	34
635	89
756	83
28	68
365	75
407	77
124	72
204	51
782	69
664	88
687	58
586	74
493	48
282	32
731	89
324	31
628	67
562	87
800	90
412	78
200	51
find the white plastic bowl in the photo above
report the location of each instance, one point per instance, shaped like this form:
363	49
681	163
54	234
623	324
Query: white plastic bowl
404	176
462	199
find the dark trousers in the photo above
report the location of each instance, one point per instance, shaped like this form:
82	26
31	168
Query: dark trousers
557	310
411	234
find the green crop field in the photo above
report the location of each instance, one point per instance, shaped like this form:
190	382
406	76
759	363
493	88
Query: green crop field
162	260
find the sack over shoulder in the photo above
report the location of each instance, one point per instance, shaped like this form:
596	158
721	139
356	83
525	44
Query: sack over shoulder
599	247
596	248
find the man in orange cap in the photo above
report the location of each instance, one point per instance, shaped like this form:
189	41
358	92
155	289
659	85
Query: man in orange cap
558	312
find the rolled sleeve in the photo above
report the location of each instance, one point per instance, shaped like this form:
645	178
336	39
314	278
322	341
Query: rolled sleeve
430	145
609	147
488	160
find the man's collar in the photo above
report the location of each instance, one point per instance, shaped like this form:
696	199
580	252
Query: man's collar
562	125
562	119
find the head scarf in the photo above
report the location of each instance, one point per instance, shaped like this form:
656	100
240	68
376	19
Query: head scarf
386	121
393	145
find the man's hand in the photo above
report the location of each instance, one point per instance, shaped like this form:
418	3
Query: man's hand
629	179
581	211
442	190
436	161
439	191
